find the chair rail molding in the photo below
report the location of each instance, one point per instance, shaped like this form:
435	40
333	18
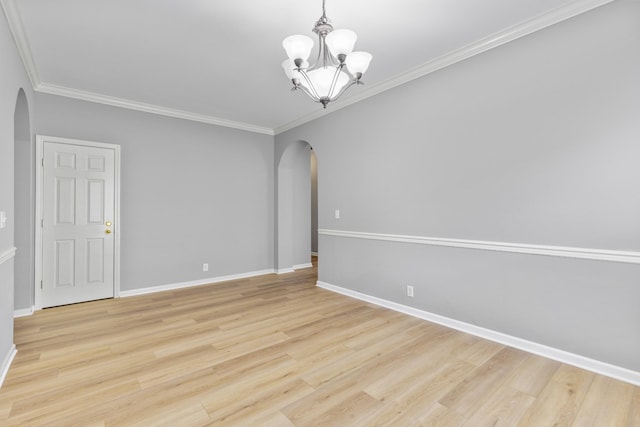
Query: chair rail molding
521	248
7	254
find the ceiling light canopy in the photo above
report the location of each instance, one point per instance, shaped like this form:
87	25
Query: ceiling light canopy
337	67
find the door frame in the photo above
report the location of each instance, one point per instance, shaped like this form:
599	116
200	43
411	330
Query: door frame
40	140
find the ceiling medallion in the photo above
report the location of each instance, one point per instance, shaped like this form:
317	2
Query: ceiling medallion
337	67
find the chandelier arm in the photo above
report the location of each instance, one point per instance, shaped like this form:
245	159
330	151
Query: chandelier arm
309	94
351	76
343	90
311	89
334	80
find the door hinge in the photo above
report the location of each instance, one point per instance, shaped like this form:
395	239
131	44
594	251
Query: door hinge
41	285
42	161
41	223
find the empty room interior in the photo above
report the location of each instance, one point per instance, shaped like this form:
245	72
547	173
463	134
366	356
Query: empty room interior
320	212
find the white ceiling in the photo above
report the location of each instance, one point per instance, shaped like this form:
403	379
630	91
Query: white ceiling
219	61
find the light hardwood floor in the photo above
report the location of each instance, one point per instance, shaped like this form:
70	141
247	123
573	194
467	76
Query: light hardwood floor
278	351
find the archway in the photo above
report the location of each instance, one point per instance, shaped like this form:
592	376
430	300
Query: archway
294	208
23	199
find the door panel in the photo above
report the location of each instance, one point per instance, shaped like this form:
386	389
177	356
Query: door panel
78	203
64	263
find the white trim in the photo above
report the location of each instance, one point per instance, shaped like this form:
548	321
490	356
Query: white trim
37	225
7	254
22	43
20	38
521	248
592	365
284	270
148	108
301	266
6	363
200	282
23	312
507	35
40	140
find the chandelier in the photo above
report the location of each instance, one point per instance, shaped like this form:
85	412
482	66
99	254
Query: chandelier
337	67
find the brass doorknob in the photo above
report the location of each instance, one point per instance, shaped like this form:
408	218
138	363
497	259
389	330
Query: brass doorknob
107	231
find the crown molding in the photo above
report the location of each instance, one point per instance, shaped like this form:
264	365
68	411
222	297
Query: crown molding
22	43
148	108
507	35
20	38
562	13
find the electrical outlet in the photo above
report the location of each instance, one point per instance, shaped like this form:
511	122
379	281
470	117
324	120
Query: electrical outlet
410	291
205	267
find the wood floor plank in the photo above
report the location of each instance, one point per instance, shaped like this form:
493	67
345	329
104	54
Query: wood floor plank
606	404
560	400
634	411
504	408
276	350
474	390
414	398
533	375
248	410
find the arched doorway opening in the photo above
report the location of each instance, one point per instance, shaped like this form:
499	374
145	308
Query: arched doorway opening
296	210
23	199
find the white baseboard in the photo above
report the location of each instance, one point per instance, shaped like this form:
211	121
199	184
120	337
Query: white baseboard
23	312
592	365
294	268
6	363
301	266
172	286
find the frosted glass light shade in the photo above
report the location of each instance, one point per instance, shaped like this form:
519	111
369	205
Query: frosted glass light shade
321	80
290	69
298	47
358	62
341	42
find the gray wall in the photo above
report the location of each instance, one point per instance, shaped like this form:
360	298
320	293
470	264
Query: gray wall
13	77
534	142
191	193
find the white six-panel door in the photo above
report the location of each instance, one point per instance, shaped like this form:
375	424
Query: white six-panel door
78	223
